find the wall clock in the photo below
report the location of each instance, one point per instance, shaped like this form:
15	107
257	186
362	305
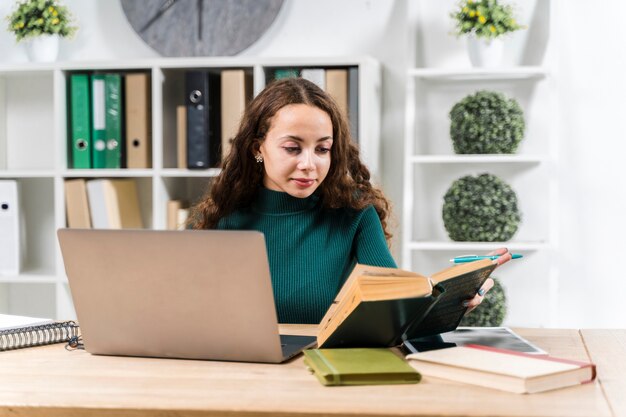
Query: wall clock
200	27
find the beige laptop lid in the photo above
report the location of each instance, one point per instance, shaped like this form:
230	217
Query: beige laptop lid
178	294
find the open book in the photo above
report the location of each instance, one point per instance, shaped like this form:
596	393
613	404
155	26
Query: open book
380	307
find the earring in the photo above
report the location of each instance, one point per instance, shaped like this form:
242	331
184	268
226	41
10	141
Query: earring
259	158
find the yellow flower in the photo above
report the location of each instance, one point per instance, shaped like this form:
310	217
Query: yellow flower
21	24
492	28
472	13
51	9
55	13
482	19
16	26
465	9
477	12
470	1
39	21
56	21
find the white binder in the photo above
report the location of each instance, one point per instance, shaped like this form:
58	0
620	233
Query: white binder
9	228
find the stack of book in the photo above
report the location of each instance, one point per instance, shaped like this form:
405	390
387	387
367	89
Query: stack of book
102	204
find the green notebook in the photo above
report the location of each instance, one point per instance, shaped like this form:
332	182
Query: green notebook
359	366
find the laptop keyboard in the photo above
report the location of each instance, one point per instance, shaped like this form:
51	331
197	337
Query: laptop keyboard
292	345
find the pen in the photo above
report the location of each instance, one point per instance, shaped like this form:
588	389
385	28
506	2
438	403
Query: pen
471	258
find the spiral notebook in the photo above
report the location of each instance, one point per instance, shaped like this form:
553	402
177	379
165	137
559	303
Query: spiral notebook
20	332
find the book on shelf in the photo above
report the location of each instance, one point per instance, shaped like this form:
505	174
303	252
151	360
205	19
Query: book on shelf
281	73
77	204
80	121
315	75
98	125
502	369
114	204
181	137
113	121
20	331
236	94
359	366
353	102
177	211
337	87
138	120
10	224
382	307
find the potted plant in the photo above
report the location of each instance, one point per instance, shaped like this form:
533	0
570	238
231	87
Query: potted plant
40	24
485	22
486	122
480	208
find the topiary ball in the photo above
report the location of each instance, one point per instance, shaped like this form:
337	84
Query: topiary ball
480	208
491	312
486	122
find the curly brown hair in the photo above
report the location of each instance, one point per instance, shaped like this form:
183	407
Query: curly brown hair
347	184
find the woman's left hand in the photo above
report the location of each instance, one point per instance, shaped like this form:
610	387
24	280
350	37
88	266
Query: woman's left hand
504	257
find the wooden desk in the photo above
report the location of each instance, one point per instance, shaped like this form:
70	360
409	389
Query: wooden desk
50	381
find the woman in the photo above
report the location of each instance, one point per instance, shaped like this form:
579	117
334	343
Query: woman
295	174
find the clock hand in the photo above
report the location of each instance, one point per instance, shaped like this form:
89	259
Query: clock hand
162	9
199	5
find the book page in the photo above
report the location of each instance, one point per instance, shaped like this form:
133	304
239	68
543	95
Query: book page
8	322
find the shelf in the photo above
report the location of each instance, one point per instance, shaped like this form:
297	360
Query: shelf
31	276
476	246
100	173
478	159
183	173
25	173
478	74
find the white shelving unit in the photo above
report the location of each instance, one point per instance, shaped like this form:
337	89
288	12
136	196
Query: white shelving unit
33	151
431	166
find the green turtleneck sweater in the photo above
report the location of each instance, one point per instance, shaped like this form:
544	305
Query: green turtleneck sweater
311	250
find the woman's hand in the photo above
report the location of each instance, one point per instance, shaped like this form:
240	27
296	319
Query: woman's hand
504	257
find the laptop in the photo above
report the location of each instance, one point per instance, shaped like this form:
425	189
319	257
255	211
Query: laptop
193	294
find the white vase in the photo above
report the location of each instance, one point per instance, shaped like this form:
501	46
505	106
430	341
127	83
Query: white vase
485	53
44	48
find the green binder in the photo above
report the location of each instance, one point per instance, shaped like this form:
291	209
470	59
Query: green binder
113	120
98	132
359	366
80	122
279	74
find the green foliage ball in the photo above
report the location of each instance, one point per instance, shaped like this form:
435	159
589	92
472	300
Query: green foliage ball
491	312
480	208
486	122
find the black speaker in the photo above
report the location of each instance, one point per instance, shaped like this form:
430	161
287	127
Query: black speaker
203	119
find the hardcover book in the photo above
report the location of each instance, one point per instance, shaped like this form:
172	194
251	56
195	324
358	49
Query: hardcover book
359	367
502	369
382	307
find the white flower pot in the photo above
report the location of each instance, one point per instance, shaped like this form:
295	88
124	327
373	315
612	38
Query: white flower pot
485	53
43	48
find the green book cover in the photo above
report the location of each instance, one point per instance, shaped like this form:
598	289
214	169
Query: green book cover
359	366
286	73
80	122
113	120
98	133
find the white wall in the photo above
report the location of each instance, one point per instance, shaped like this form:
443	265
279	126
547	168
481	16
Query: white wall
590	89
